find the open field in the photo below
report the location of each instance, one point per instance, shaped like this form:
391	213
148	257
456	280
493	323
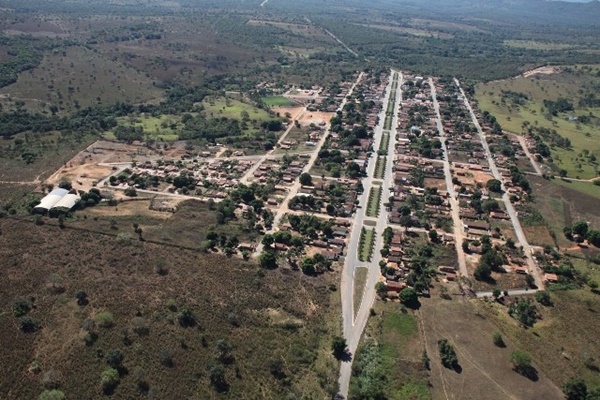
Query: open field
388	360
561	203
267	332
163	127
278	101
470	333
411	31
360	277
499	99
232	108
560	348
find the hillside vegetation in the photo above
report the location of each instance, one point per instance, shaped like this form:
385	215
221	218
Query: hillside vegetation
174	324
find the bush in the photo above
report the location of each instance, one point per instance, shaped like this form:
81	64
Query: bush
81	297
166	358
21	307
338	347
447	354
498	339
186	318
109	379
543	297
521	361
104	319
575	389
53	394
409	298
115	358
29	325
131	192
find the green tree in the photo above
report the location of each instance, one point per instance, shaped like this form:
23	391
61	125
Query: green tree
433	236
408	297
338	347
268	259
575	389
580	228
447	354
521	361
305	179
494	185
483	272
308	266
268	240
381	289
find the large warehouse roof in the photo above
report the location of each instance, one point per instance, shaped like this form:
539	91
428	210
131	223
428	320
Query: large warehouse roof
58	198
68	201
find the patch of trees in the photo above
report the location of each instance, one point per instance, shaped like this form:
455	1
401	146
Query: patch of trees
559	105
519	179
491	260
447	354
22	55
517	98
310	225
552	137
581	231
524	311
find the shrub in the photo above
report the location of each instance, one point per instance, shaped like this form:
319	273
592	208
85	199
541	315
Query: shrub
543	297
140	326
186	318
29	325
338	347
115	358
53	394
521	361
575	389
81	297
109	379
447	354
498	339
104	319
21	307
166	358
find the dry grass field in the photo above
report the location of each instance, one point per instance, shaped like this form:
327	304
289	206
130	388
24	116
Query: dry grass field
470	332
563	341
235	325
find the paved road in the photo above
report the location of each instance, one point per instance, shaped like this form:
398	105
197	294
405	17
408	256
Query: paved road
533	269
459	231
353	326
283	207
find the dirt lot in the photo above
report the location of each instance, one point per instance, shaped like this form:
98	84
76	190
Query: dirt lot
315	117
294	111
485	371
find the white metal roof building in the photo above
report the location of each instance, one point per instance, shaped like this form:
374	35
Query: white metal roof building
57	198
